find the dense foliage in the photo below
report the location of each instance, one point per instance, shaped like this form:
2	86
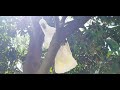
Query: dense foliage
95	47
13	46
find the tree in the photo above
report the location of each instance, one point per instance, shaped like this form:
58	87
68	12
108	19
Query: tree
94	42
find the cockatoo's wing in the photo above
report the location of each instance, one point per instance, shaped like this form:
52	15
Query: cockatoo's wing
64	60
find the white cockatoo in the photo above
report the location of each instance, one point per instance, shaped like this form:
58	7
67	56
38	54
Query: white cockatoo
64	60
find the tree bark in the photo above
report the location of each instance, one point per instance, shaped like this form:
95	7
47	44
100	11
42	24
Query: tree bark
33	58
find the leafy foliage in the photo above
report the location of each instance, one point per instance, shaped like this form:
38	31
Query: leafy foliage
96	47
12	46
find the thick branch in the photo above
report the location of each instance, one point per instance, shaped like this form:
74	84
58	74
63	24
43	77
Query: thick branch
72	26
58	37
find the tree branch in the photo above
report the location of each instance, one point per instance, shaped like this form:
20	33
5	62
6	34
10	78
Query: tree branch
74	25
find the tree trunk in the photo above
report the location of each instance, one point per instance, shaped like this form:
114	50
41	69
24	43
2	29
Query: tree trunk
33	58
